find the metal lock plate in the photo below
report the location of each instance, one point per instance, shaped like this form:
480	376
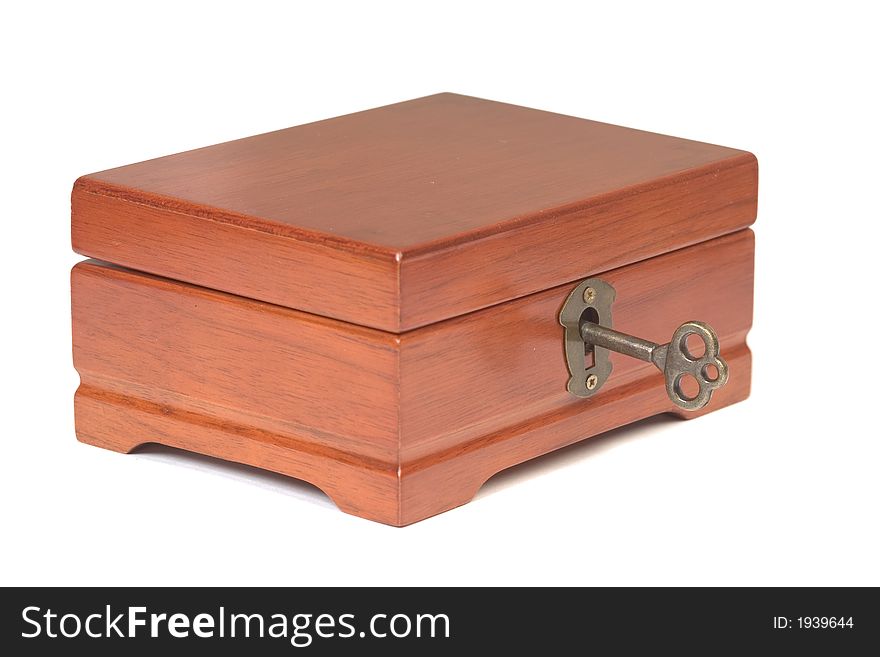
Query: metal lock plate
590	301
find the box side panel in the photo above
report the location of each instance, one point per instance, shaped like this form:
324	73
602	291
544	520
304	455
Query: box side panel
578	241
486	391
361	287
313	384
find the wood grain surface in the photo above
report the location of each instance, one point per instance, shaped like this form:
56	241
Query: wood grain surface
392	427
485	391
409	214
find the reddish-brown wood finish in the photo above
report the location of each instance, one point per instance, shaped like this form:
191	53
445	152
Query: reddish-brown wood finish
413	213
393	427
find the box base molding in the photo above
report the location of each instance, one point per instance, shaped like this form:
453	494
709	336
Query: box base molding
392	493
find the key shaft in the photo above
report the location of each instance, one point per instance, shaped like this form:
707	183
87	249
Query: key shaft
629	345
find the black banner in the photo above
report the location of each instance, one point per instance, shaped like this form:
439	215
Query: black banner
438	621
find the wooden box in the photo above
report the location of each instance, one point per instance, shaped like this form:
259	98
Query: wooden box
371	303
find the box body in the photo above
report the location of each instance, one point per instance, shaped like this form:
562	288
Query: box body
371	303
393	427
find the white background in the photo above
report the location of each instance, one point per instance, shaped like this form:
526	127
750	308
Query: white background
781	489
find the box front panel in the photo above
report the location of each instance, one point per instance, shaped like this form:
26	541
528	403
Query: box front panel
490	371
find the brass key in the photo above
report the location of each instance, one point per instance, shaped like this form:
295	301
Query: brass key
673	359
586	317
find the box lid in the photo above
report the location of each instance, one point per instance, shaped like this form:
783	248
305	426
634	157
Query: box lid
412	213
